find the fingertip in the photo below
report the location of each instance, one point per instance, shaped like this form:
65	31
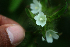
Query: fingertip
16	34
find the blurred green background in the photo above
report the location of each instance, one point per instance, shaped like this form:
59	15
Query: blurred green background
15	9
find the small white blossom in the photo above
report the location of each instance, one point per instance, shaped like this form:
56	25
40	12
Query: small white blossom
50	34
40	19
43	39
35	6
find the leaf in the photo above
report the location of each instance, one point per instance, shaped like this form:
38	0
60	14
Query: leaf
58	13
43	31
46	1
30	15
14	5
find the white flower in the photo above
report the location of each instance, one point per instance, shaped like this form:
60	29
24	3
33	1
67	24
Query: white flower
50	34
40	19
43	39
35	6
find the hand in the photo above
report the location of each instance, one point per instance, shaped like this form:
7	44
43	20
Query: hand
11	33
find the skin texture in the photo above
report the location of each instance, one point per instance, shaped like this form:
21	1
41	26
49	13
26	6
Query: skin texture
4	40
15	28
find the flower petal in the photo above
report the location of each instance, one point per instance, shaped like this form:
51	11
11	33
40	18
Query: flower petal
32	6
36	17
43	23
38	23
43	39
49	39
54	31
34	11
35	1
55	36
41	13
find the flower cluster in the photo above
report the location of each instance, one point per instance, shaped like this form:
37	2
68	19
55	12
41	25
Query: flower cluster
36	8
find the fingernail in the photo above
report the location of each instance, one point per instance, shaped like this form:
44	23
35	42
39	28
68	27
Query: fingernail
16	34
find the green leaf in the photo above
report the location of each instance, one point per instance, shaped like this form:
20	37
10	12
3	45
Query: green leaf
58	13
44	5
43	31
14	5
46	1
30	15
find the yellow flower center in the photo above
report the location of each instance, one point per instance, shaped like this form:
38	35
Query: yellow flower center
50	35
41	19
35	7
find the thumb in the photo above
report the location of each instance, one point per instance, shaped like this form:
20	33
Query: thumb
12	32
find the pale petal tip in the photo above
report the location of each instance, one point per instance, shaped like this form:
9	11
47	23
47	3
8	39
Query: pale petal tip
43	39
49	42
